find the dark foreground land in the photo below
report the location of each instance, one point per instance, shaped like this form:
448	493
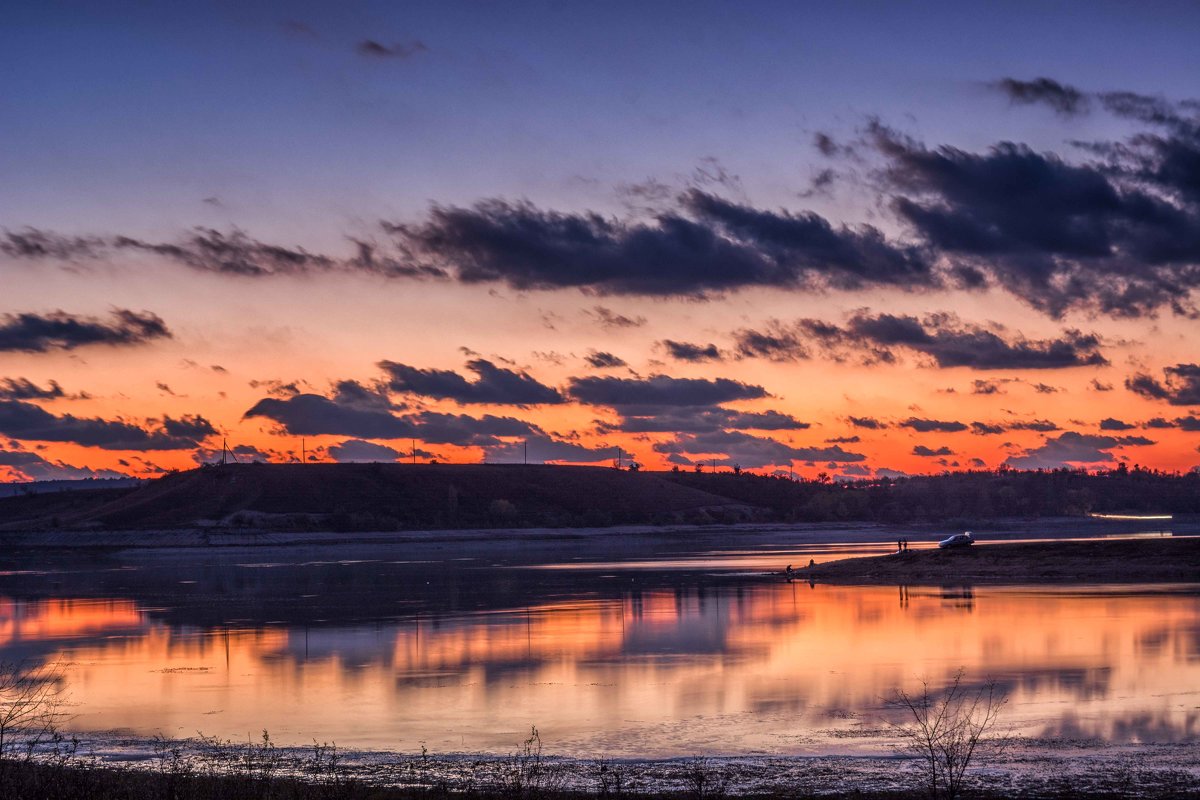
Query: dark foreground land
1158	560
531	777
399	497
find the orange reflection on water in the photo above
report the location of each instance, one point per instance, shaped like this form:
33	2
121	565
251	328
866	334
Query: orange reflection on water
772	667
62	619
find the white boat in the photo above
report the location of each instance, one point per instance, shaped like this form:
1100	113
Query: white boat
958	540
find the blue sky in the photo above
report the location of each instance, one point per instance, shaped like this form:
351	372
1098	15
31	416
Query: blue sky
131	114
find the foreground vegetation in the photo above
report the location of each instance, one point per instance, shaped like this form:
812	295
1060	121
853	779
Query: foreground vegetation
85	780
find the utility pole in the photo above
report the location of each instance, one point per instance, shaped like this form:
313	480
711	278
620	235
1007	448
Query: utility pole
414	451
303	455
526	452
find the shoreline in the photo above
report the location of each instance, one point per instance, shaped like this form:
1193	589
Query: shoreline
208	537
1031	768
1168	559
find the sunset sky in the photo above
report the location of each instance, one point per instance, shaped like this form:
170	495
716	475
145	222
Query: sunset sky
864	239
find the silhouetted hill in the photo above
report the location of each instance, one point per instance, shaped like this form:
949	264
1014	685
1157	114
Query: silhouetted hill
82	485
384	497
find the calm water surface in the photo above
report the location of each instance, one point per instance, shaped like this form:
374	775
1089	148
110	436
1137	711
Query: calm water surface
688	653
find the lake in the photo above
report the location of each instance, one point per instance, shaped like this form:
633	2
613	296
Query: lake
661	649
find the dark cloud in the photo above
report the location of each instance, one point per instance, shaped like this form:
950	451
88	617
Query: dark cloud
748	451
493	384
314	415
686	351
661	390
704	419
986	387
869	423
540	449
1066	100
1180	385
1074	449
927	452
238	254
35	243
26	466
604	360
277	388
358	450
776	342
986	429
1135	441
401	50
189	426
844	440
1119	237
1044	388
1041	425
1113	424
353	393
28	422
953	343
931	425
233	253
805	244
1071	449
705	244
608	319
1189	423
58	330
25	389
462	429
1097	386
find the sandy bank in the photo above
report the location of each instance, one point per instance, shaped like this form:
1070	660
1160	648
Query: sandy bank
1165	559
